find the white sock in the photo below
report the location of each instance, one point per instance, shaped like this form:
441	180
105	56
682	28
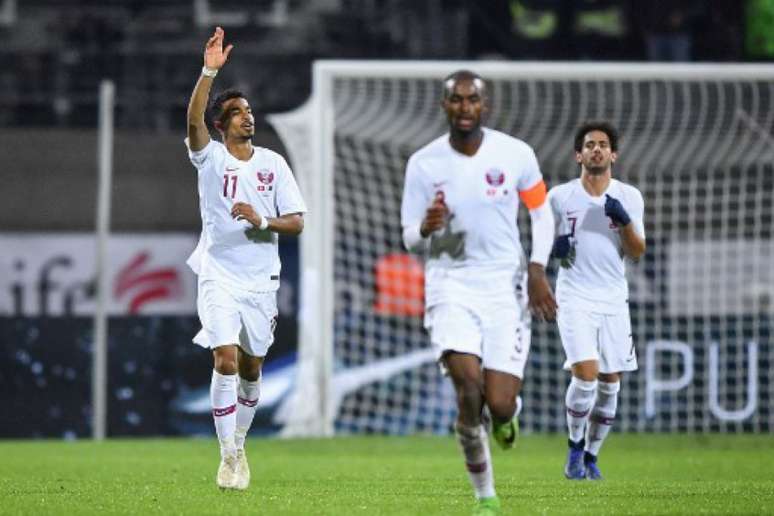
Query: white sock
247	403
475	448
223	395
579	400
602	416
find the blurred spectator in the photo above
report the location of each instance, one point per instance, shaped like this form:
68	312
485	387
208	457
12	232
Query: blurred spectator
600	29
759	29
718	32
667	27
96	41
489	29
539	28
92	33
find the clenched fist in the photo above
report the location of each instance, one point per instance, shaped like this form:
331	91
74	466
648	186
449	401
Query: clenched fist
435	216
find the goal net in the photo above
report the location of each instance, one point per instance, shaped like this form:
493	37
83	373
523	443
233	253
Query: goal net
695	139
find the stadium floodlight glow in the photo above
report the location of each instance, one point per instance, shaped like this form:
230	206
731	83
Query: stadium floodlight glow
696	139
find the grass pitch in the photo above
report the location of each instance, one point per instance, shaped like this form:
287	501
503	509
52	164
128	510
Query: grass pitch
645	474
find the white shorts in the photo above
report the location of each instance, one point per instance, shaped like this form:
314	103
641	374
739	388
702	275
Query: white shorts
498	333
606	338
233	316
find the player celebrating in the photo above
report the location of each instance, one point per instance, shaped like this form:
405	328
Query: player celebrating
247	196
600	221
460	202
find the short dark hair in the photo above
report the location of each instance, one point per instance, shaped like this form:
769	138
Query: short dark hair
460	75
605	127
216	113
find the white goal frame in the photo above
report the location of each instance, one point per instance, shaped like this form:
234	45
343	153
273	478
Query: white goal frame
311	409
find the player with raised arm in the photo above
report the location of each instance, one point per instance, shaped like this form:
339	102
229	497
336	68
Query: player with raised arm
459	209
247	197
600	222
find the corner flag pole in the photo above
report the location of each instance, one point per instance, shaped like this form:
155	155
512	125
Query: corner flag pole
105	171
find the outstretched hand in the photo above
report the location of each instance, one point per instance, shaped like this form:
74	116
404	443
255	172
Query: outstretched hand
215	55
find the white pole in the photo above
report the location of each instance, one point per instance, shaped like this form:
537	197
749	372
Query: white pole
322	141
105	171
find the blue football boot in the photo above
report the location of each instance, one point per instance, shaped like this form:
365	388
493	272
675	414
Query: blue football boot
574	469
592	471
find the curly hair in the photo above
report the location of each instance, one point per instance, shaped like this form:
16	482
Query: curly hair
605	127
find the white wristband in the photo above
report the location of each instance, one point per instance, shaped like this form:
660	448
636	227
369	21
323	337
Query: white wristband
209	72
264	223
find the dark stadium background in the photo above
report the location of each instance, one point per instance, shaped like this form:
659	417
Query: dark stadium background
54	54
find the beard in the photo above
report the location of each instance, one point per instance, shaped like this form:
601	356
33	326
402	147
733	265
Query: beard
242	135
598	169
465	133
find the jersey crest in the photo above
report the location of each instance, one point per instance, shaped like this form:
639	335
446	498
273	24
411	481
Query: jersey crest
265	176
495	177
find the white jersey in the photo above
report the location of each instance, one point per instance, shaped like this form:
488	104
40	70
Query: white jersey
479	247
597	279
231	251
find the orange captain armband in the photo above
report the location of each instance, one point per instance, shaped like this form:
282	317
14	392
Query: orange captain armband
535	196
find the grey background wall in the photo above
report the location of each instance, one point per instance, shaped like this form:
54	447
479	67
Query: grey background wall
49	180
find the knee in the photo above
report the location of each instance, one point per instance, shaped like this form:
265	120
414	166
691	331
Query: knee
609	378
225	361
502	407
250	370
586	371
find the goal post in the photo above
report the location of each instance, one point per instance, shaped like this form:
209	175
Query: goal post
696	139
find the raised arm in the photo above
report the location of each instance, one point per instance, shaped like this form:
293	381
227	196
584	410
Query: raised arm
214	58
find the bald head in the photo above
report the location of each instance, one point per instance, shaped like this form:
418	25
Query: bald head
463	76
464	101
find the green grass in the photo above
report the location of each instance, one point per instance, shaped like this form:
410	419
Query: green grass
645	474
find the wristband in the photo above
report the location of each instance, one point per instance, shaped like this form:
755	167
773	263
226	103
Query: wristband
264	224
209	72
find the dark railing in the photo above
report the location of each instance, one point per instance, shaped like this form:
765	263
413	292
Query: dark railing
60	88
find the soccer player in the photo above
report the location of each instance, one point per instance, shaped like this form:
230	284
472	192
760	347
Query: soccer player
247	197
600	222
460	203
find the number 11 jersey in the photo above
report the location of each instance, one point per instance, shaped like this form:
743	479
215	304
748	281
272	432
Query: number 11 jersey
231	251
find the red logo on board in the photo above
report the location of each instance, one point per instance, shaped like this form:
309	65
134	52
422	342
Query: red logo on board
144	285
